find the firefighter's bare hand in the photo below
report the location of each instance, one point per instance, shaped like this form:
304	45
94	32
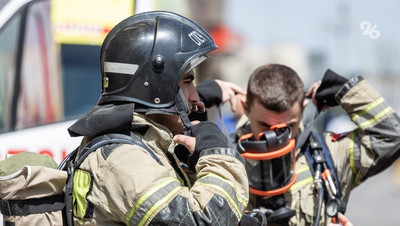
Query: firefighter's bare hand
187	141
229	92
312	91
198	107
342	220
311	94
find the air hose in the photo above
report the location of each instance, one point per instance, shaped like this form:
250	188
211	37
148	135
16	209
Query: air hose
320	190
320	201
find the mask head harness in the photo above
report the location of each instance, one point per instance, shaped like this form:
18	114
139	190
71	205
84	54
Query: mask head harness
270	160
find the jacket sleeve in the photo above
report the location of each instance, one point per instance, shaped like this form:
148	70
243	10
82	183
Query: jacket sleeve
375	144
144	192
209	92
218	197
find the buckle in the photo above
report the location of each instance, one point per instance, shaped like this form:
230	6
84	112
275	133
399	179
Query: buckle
5	207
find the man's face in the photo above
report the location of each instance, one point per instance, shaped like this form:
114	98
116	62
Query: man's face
174	122
262	119
189	91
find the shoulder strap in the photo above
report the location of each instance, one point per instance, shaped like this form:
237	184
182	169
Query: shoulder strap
327	157
99	141
303	137
303	142
72	162
102	140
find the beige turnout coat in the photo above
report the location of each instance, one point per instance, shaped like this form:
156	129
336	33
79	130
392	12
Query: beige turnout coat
123	184
369	149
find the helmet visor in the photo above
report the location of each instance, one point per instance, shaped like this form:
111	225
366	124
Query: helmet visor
195	62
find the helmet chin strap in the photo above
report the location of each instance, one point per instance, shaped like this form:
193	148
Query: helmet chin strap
182	108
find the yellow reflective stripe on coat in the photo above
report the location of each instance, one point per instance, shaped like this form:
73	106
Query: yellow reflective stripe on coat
352	156
227	188
82	184
158	204
372	113
368	108
381	114
151	200
304	177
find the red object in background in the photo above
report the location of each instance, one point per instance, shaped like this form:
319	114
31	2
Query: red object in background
226	39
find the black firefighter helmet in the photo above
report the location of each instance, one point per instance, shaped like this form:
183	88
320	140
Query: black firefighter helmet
142	60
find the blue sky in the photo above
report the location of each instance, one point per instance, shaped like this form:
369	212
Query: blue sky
329	26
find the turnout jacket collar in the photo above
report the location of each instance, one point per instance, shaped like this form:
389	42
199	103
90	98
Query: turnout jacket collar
153	132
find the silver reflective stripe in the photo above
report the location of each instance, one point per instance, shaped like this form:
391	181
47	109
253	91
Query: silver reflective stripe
151	201
373	113
225	187
304	177
120	68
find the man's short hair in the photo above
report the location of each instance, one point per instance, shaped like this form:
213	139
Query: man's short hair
276	87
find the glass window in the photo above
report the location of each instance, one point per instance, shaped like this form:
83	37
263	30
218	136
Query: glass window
81	78
57	81
8	50
40	97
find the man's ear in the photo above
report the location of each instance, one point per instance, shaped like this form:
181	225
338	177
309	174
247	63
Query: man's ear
305	102
245	106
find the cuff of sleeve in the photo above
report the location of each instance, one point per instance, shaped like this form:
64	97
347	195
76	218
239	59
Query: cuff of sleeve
209	92
223	151
347	86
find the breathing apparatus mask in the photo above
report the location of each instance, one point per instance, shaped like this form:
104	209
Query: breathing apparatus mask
270	160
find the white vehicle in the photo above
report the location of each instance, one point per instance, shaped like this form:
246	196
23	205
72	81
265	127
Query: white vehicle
49	68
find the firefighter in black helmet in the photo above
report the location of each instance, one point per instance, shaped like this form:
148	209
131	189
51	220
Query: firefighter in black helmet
147	64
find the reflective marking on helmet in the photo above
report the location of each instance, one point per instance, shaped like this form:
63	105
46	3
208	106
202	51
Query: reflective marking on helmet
197	38
120	68
105	82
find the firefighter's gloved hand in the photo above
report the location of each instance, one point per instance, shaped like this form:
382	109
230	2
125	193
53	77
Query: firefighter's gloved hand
330	85
208	135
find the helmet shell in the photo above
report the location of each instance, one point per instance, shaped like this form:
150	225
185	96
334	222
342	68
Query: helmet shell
143	58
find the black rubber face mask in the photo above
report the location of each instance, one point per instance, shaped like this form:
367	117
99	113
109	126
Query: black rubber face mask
270	160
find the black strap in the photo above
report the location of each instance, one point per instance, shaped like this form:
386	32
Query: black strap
71	163
302	143
109	139
32	206
253	218
303	137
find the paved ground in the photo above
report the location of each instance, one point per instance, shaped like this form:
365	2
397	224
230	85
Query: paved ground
377	201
